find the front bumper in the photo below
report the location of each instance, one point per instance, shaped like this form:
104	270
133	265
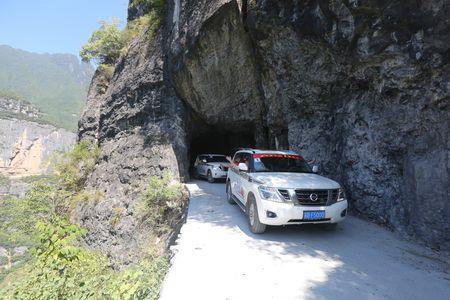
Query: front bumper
288	213
219	174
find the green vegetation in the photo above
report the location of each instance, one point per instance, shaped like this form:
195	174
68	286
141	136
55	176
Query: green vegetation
3	180
35	178
105	44
62	269
108	42
160	201
6	115
151	20
59	266
54	83
74	167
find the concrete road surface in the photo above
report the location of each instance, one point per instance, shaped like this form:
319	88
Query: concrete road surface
217	257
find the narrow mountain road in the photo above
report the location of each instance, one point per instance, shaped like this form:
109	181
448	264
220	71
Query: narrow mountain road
216	257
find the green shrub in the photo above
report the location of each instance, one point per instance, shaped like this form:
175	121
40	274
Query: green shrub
147	23
74	167
156	6
162	199
105	44
61	269
107	70
35	178
108	42
4	181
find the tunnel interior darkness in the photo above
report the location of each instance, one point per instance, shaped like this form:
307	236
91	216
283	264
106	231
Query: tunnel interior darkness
219	142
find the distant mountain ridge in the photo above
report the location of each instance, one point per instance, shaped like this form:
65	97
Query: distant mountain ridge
54	83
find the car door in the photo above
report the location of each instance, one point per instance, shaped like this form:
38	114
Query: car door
201	165
234	175
244	177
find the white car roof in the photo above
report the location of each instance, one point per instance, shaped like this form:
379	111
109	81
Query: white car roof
258	151
212	155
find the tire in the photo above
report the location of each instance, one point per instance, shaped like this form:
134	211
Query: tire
210	177
230	195
253	219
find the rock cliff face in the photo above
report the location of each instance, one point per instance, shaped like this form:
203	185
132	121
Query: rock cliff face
360	87
25	144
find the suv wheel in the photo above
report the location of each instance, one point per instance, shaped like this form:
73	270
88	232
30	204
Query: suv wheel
229	194
210	177
253	219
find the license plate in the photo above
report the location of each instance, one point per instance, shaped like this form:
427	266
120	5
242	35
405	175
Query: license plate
314	215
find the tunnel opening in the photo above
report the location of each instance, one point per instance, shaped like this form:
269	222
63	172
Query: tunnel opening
219	141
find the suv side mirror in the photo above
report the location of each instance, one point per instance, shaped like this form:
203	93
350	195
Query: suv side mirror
315	169
243	167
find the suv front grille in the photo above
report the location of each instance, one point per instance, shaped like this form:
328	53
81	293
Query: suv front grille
306	197
312	197
316	197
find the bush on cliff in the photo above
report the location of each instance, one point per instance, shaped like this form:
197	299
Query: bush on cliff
105	44
161	203
62	269
74	167
3	180
153	11
109	41
61	266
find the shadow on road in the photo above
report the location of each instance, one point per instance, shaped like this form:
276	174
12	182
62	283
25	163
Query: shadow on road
358	260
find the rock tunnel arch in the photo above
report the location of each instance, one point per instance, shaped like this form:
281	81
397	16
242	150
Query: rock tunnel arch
219	139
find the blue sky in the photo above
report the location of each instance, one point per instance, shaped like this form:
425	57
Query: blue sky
54	26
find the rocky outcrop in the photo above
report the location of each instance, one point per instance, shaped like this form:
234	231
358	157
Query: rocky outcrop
363	90
359	87
18	107
26	146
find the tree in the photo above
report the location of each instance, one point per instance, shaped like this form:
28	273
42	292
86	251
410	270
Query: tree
105	44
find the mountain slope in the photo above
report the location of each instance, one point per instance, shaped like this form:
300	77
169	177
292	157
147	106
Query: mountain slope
54	83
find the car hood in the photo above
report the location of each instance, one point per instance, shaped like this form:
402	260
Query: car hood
295	180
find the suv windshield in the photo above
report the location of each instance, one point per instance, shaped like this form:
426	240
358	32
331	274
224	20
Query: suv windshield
216	158
281	163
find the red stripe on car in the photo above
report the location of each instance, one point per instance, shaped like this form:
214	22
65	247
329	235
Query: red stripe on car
278	155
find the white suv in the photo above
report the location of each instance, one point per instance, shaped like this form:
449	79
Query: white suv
211	167
280	188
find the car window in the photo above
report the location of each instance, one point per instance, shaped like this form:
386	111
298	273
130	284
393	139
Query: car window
280	163
237	158
216	158
246	158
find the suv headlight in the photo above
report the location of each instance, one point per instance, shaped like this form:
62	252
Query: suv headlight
216	167
341	195
269	193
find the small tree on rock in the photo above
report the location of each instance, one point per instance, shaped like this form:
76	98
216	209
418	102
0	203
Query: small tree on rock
105	44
